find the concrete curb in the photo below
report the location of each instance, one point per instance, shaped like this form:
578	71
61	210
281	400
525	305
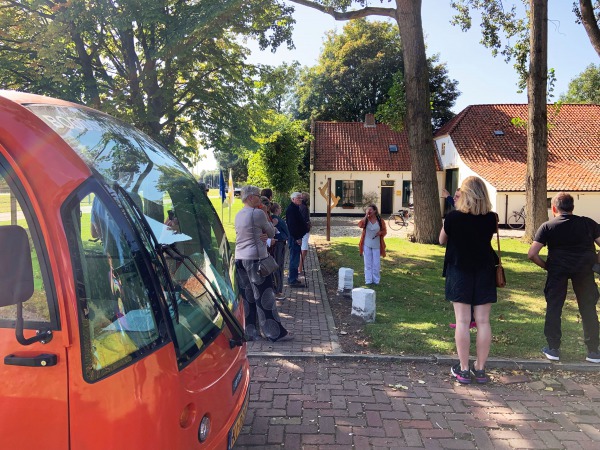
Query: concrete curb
496	363
335	343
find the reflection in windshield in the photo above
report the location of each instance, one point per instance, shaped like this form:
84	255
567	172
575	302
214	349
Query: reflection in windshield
178	212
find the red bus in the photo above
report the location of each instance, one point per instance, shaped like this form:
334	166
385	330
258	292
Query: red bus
119	324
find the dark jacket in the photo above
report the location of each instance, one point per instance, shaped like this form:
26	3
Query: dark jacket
282	227
295	221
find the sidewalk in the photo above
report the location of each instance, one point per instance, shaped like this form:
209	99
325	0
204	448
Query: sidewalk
307	394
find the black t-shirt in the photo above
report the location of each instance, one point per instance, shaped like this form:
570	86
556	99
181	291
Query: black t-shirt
469	240
570	240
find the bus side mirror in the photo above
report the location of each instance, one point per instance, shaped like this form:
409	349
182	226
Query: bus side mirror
16	278
16	270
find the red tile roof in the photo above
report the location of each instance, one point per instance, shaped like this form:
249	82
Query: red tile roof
350	146
573	145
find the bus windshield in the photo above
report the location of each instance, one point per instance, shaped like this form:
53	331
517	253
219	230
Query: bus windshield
177	211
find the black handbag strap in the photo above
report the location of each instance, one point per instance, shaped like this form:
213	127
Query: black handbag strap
498	240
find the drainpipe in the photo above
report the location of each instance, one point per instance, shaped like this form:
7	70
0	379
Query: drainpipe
506	209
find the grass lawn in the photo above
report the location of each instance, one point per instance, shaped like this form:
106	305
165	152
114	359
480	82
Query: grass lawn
224	216
413	316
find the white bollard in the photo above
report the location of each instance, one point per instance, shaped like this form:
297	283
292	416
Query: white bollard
363	304
345	281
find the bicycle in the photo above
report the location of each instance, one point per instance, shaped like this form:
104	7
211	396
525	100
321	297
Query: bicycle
401	219
517	220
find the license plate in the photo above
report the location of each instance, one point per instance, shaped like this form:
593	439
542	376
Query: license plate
236	428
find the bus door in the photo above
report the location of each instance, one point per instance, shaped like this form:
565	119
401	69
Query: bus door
33	374
123	374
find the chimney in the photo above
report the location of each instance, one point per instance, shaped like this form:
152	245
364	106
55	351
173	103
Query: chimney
370	121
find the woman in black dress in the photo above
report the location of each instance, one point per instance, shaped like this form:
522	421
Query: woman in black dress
469	267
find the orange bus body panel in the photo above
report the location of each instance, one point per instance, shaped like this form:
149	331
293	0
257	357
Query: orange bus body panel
140	405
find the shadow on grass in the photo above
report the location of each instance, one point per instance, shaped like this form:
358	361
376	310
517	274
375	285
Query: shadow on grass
413	315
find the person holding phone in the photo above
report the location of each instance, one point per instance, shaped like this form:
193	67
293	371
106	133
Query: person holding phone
372	245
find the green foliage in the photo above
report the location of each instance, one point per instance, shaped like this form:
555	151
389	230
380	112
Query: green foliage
585	88
360	71
256	171
176	69
282	146
274	90
393	110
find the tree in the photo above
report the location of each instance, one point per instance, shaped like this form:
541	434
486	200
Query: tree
407	14
588	14
531	33
174	68
585	88
355	75
536	181
282	146
275	90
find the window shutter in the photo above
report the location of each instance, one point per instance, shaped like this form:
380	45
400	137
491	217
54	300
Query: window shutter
338	189
358	191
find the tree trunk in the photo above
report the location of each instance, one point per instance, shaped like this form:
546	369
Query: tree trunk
588	19
536	183
428	216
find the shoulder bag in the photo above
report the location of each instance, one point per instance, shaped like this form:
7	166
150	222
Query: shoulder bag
500	276
265	266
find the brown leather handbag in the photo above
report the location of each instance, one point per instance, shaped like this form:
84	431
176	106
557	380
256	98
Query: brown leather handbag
500	276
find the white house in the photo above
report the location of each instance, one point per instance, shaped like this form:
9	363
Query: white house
490	141
362	160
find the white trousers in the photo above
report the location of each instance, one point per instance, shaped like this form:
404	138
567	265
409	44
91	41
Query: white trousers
372	260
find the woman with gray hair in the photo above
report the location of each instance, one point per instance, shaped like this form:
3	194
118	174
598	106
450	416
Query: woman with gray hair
252	227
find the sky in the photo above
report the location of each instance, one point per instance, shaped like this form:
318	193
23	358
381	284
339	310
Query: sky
482	79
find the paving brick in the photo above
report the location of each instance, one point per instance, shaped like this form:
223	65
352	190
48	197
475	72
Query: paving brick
324	402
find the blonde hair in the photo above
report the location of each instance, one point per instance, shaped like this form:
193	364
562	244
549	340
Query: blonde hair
474	198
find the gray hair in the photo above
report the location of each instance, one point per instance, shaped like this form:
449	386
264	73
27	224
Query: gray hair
295	194
249	190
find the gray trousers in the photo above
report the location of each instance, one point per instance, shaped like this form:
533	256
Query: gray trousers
279	255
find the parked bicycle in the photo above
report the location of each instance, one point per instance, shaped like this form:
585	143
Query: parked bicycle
402	218
517	220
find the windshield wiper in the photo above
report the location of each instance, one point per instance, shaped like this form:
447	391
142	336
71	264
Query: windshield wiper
237	332
148	231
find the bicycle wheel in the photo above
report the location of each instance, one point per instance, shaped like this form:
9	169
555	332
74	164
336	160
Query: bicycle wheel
516	221
410	219
395	222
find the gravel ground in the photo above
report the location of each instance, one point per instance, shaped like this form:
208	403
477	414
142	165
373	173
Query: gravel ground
348	226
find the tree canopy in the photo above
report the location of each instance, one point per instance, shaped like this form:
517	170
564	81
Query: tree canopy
585	88
357	72
176	69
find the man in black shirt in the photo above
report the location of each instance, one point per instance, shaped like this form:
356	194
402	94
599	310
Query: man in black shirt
571	255
297	227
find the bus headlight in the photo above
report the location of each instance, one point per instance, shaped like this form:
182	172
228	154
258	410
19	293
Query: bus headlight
204	429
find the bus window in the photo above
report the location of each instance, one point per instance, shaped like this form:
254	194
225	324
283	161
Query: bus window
36	310
197	321
117	305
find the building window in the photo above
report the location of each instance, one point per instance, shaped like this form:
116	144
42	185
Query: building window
349	191
443	151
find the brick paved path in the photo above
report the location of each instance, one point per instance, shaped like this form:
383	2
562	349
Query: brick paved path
306	315
306	394
328	403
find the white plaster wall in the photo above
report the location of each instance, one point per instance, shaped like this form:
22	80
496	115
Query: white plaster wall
371	183
586	204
